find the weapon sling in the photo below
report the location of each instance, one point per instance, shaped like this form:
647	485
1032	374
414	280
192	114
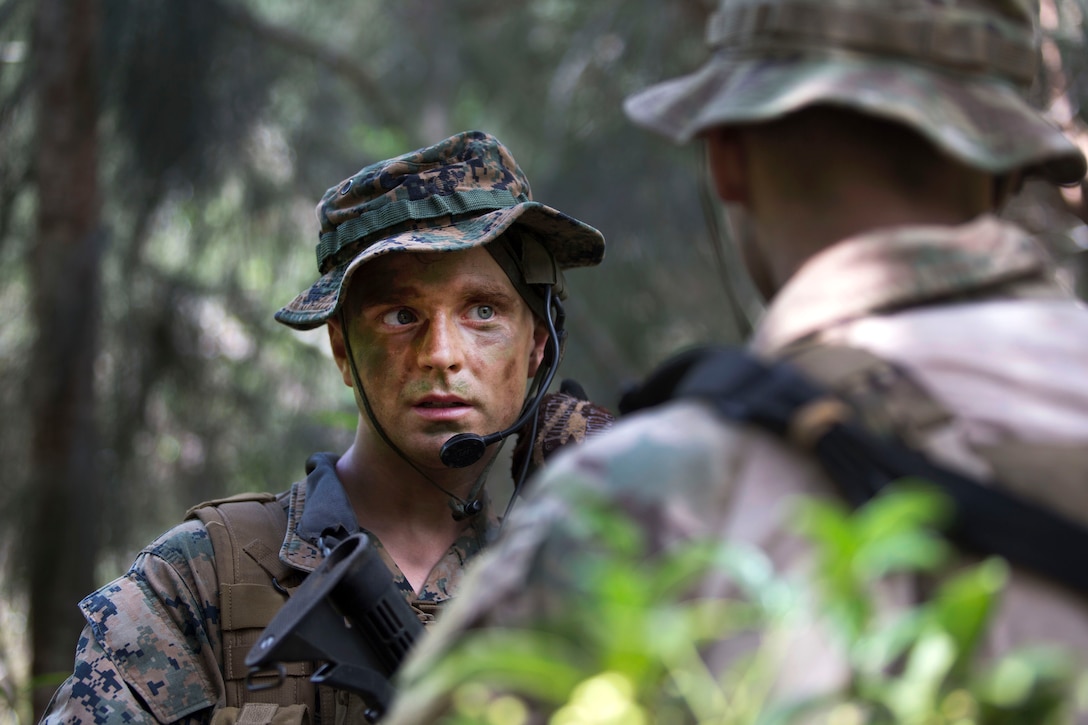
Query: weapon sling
776	397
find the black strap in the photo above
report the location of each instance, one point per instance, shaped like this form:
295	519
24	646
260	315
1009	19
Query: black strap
986	519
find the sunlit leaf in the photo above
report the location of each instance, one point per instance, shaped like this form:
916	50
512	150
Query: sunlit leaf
535	664
910	550
875	651
907	505
915	692
962	605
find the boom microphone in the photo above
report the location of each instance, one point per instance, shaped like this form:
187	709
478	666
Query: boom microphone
464	449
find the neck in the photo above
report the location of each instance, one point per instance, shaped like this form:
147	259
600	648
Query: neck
822	176
407	512
792	232
383	487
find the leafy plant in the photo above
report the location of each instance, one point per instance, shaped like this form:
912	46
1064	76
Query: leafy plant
634	646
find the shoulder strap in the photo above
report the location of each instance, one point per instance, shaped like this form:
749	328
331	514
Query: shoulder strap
987	519
883	397
245	531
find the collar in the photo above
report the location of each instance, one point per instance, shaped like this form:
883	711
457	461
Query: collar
893	268
327	511
319	506
316	505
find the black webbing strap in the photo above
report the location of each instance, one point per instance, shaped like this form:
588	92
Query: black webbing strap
985	519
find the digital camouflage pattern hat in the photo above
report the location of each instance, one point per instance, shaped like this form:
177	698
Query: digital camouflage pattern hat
953	70
460	193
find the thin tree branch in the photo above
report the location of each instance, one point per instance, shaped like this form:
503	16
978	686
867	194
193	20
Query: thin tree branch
7	9
345	66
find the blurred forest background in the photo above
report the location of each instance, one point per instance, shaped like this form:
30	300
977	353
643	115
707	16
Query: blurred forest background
160	164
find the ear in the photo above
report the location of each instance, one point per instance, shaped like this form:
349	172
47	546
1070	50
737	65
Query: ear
540	341
725	156
339	349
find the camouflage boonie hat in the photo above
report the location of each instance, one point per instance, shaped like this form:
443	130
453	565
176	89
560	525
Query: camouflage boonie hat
953	70
460	193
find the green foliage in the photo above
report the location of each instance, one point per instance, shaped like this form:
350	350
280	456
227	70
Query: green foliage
221	125
634	643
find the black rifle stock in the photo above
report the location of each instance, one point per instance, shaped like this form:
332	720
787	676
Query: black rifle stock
349	615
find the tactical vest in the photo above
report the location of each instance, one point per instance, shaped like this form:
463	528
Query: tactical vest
245	531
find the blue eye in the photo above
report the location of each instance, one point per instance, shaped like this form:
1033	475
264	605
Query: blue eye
399	316
485	312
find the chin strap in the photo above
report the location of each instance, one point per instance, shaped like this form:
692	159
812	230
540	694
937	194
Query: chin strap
745	303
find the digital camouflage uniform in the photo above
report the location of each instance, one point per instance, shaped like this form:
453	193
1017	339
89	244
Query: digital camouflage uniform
152	648
959	339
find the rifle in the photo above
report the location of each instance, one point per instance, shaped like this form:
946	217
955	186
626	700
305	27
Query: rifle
349	615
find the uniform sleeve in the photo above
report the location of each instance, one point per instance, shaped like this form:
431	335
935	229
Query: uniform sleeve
151	649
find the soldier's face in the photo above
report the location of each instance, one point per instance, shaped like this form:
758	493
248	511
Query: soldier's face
444	344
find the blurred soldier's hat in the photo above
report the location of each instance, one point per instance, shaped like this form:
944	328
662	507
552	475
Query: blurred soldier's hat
953	70
460	193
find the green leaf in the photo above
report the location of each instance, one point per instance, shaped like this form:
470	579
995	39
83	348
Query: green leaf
596	520
902	551
745	568
962	605
681	567
698	621
827	524
908	504
874	652
802	710
1039	682
915	693
528	663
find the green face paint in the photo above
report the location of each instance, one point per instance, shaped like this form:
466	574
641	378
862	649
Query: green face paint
444	344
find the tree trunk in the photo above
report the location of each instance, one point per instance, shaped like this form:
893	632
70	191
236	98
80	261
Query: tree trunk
62	540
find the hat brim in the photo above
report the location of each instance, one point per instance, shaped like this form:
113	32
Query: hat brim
983	122
571	242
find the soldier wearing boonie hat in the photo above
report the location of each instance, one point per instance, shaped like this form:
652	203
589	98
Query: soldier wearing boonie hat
954	72
440	283
862	148
461	193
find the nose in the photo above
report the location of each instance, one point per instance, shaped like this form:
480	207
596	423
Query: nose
440	345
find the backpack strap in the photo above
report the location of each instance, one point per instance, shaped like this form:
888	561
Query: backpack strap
888	400
245	531
883	398
779	399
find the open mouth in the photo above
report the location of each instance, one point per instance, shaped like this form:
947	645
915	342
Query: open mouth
436	410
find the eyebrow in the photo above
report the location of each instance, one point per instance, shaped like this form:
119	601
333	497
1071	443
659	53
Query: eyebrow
493	290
